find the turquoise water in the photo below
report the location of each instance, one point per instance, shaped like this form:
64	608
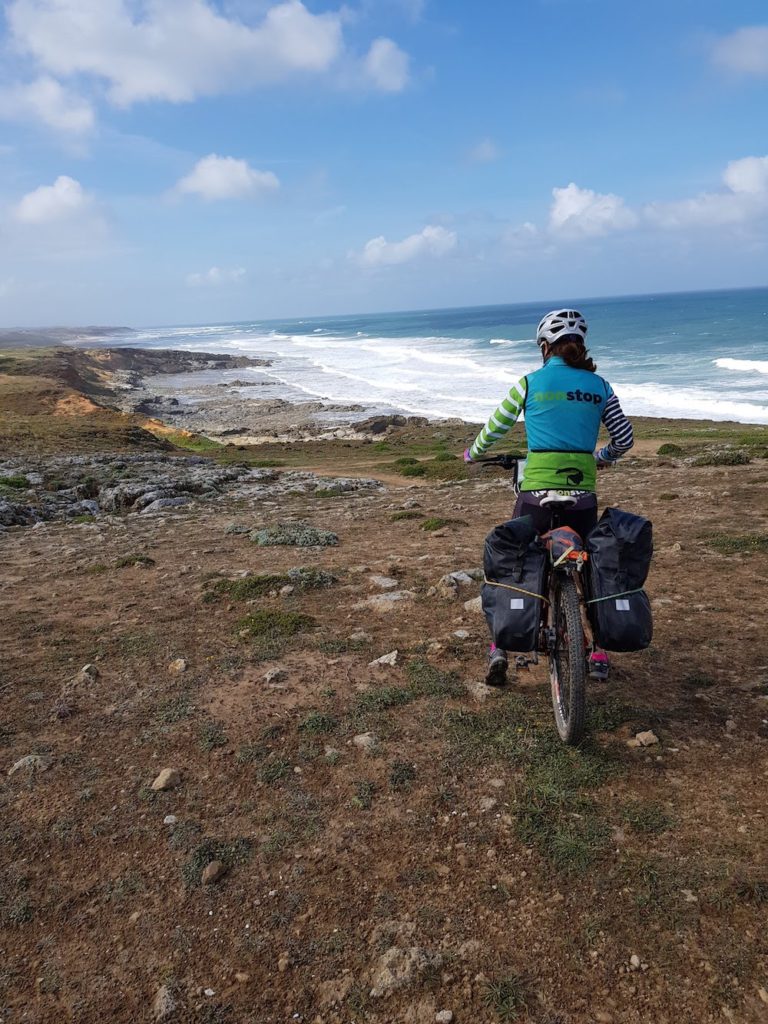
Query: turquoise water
701	355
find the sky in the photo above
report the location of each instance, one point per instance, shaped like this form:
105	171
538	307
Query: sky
200	161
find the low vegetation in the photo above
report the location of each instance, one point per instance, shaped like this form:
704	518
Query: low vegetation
294	535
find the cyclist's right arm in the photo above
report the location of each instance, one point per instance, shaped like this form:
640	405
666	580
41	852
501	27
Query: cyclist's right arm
502	420
620	429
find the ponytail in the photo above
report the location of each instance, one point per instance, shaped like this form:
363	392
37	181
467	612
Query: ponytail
571	350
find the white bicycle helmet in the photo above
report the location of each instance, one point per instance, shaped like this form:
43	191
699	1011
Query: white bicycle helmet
558	323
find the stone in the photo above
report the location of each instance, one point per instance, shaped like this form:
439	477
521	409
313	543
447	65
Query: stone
447	588
386	602
634	962
164	1005
178	666
461	634
167	779
603	1017
90	672
487	803
763	993
398	968
475	605
385	659
360	637
213	872
366	741
647	738
287	590
283	963
384	582
730	726
242	977
31	763
274	675
162	503
170	819
444	1017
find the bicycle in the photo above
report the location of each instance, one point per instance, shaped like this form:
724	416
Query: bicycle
563	635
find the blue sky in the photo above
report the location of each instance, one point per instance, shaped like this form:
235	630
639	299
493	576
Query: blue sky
180	161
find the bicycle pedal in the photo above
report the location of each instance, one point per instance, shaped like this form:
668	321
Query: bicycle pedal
522	662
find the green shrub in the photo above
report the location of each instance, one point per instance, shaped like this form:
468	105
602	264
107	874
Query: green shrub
17	482
749	543
270	631
406	460
444	457
722	458
670	449
257	586
406	513
295	535
417	470
437	523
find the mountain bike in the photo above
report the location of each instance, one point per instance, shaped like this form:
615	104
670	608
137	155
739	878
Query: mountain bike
564	636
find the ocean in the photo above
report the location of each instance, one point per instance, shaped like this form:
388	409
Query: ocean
693	355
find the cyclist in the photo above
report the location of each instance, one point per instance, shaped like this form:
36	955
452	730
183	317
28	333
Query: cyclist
564	403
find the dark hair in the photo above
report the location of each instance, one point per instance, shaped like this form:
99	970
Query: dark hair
571	350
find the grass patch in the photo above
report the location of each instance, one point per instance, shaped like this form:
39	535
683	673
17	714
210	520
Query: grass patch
722	458
609	716
16	482
85	517
365	790
294	535
318	723
250	587
406	513
141	560
269	631
229	852
275	770
249	753
670	449
728	544
428	681
668	497
175	709
508	997
418	470
190	442
406	460
267	463
384	698
401	775
341	645
444	457
212	735
647	818
437	523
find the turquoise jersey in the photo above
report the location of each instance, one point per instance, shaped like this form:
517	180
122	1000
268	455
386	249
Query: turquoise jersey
564	408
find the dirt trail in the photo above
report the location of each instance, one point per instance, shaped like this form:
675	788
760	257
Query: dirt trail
466	862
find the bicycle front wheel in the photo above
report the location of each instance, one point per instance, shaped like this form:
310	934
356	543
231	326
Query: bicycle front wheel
567	661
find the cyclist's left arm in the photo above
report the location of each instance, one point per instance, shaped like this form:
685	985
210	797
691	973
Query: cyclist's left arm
502	420
620	429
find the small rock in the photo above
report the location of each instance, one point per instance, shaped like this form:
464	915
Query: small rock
90	671
763	993
283	963
487	803
274	675
32	763
730	726
179	665
496	783
213	872
360	637
444	1017
603	1017
634	962
366	741
461	634
164	1005
287	590
167	779
242	977
385	659
475	605
386	602
689	896
170	819
384	582
647	738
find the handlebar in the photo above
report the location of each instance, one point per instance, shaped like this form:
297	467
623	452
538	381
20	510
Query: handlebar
508	460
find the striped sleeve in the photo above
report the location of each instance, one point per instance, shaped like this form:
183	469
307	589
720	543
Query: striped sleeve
620	430
502	420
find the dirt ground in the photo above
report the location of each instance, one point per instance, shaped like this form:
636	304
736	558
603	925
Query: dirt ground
466	862
340	842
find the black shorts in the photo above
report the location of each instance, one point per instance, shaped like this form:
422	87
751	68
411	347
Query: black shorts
581	517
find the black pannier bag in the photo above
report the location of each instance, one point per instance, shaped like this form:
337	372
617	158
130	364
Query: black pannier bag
620	549
515	564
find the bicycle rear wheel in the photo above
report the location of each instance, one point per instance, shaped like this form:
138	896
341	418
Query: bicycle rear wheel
567	662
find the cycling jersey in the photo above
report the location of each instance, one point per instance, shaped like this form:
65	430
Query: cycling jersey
564	408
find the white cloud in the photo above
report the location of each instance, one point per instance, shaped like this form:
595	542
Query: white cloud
224	177
582	212
432	241
744	51
64	200
48	101
386	65
178	50
744	198
484	152
215	277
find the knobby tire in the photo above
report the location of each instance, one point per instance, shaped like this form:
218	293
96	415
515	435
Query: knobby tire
567	662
